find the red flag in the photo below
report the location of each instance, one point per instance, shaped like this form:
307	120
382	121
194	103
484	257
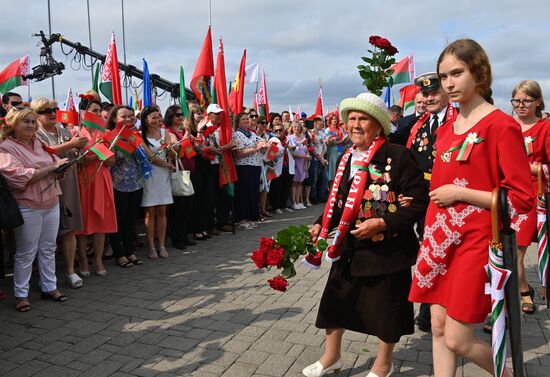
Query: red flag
93	120
272	151
119	132
101	151
12	76
110	78
256	101
319	107
407	94
68	117
228	173
186	149
263	102
271	174
237	91
124	147
200	82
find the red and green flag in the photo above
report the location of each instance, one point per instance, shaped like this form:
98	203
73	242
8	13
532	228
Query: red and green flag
93	120
237	90
228	174
186	149
67	117
403	71
101	151
204	70
110	78
125	147
407	94
12	76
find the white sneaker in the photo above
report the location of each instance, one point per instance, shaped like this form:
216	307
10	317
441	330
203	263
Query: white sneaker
296	206
288	209
278	211
246	226
317	370
301	206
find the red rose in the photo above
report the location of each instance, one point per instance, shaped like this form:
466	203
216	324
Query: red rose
373	39
310	149
278	283
275	256
391	50
266	244
382	43
259	258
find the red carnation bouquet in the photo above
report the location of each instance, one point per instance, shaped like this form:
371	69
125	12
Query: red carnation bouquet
282	252
376	73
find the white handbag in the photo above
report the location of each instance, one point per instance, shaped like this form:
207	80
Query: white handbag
180	180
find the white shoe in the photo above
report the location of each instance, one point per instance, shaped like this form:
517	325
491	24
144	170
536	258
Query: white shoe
253	224
288	209
278	211
246	226
302	206
372	374
316	369
296	206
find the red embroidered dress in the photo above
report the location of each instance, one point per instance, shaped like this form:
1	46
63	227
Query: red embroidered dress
537	144
450	266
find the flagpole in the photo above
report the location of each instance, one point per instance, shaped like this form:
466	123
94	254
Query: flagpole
50	30
124	47
209	12
90	32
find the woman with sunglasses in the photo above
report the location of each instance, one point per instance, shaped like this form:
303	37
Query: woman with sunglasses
260	127
179	213
60	139
528	103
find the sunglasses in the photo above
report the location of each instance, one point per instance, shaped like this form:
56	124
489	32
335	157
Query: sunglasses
15	103
48	110
278	130
179	115
252	116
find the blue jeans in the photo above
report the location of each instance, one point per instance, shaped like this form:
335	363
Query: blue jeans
319	180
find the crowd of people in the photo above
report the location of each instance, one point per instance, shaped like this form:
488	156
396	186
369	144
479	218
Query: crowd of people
395	197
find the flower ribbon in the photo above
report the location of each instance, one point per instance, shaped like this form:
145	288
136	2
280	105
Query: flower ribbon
529	144
465	146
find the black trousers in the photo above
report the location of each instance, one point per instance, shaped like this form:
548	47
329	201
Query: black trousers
279	190
202	212
222	200
247	193
179	217
127	206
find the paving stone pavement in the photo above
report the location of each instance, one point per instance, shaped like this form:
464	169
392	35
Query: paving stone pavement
205	312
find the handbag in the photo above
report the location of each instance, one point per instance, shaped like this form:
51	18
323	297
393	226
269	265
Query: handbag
180	180
10	215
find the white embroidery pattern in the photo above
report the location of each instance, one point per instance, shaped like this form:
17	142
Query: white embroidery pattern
457	218
515	218
460	182
437	268
438	250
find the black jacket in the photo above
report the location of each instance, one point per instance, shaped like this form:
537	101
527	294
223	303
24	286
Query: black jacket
399	249
404	127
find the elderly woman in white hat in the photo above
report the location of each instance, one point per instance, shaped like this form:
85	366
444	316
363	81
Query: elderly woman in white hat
375	245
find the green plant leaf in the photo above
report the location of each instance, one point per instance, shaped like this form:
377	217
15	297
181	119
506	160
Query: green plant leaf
322	244
289	272
366	60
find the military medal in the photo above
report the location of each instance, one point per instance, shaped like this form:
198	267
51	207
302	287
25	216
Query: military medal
392	207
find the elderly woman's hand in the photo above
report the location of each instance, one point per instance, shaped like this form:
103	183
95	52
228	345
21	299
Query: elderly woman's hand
369	228
404	201
446	195
314	231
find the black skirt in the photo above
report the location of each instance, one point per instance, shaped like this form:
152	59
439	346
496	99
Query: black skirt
374	305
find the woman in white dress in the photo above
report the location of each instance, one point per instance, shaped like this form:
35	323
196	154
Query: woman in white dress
157	193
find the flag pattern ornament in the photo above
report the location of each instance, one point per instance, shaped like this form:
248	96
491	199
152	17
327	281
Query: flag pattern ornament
200	81
183	95
407	94
237	89
110	77
228	174
498	276
12	76
101	151
147	90
272	151
263	102
67	117
186	149
401	72
93	120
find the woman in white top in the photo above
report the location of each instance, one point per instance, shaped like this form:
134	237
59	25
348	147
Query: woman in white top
157	192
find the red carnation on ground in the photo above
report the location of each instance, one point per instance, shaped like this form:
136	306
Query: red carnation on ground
275	256
266	244
260	258
278	283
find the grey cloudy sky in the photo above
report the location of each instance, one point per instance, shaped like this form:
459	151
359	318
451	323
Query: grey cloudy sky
297	42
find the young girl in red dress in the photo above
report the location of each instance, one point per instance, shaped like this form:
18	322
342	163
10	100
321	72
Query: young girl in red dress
450	273
528	104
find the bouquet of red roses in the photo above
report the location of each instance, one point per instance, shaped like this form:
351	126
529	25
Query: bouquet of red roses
376	72
282	252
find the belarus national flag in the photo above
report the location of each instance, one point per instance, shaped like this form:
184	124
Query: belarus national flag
110	78
403	71
11	76
407	94
94	121
101	151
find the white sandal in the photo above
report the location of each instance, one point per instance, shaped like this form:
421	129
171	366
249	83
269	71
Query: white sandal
75	281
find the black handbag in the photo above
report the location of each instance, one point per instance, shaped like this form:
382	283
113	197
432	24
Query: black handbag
10	215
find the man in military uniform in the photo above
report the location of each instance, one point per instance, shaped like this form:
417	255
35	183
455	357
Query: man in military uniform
421	143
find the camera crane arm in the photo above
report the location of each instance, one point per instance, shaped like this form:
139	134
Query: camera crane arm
129	70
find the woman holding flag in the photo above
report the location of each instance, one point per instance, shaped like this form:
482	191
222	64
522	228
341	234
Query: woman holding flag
29	170
96	194
375	244
59	139
528	104
157	193
481	150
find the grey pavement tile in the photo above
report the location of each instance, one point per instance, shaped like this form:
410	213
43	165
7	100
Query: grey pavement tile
178	343
276	365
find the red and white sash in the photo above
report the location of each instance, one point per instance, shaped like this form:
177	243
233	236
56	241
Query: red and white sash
451	116
351	206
